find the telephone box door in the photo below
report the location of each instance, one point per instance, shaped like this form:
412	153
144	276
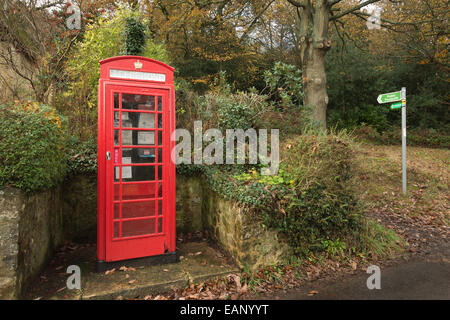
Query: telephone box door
137	172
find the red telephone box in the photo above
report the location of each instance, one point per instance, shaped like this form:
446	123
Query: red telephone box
136	176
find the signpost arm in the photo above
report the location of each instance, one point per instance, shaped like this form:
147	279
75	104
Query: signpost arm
404	140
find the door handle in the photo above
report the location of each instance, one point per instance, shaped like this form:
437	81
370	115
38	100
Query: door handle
108	155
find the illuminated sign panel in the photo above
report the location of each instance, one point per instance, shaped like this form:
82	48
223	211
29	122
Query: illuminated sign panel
136	75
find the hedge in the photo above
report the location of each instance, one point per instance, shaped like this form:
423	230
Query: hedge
32	146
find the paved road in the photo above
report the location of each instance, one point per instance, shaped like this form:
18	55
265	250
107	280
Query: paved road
425	278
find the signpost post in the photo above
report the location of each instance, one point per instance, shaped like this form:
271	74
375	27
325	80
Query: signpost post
404	139
399	99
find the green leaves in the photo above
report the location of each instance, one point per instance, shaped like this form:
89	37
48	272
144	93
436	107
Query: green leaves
33	146
107	37
285	84
310	201
82	158
134	36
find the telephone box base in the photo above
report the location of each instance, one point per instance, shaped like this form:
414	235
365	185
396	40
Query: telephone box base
172	257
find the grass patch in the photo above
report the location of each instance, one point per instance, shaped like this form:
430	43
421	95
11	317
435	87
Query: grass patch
380	242
379	177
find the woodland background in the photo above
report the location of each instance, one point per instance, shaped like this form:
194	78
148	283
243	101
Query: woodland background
251	45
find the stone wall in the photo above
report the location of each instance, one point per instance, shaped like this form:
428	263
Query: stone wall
241	233
32	226
30	230
189	204
79	200
238	231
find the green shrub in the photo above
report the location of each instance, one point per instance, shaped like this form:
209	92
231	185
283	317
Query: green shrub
134	36
284	82
324	206
219	109
82	157
104	38
311	200
33	146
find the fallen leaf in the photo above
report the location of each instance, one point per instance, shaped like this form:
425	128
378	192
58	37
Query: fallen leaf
110	272
312	293
244	288
125	269
131	282
237	280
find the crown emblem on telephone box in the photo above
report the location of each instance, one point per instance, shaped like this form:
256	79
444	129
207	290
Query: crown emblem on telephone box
138	65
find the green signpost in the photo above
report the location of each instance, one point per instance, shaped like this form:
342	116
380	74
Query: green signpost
397	105
396	97
390	97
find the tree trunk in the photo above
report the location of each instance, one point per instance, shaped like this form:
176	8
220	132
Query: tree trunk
315	83
312	31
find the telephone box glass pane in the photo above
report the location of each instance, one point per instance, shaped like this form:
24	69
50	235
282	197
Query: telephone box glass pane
138	191
116	229
138	228
141	173
160	207
160	155
141	120
117	174
116	119
159	190
160	103
160	121
116	192
116	138
159	138
138	209
116	100
139	155
160	225
116	211
138	102
126	173
138	138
